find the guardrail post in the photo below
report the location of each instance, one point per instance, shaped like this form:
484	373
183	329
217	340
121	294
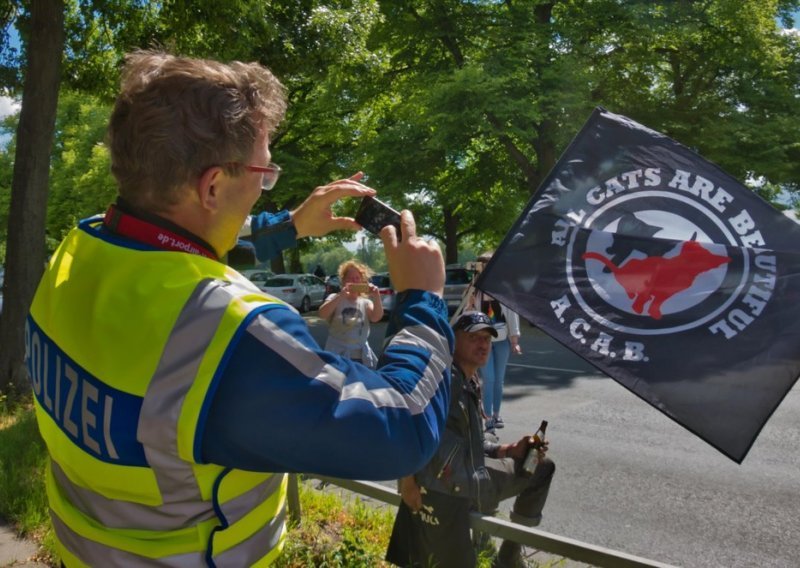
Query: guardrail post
293	499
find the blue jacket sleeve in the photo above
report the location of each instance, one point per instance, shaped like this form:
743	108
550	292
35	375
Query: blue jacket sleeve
283	404
271	233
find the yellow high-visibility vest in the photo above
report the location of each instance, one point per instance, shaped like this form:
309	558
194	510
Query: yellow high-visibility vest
123	347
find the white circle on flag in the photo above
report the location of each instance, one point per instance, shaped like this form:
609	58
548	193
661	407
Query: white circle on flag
672	226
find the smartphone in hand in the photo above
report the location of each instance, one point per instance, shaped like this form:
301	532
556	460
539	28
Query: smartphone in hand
358	288
374	215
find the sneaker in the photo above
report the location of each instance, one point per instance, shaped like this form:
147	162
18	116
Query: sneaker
498	422
489	425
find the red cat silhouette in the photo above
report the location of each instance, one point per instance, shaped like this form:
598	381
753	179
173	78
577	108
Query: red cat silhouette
657	278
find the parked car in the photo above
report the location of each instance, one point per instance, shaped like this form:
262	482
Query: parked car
258	275
456	281
332	285
303	291
388	296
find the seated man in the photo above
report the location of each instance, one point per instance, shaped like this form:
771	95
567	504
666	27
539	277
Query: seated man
468	471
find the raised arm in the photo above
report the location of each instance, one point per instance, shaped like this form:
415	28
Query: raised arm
273	232
284	404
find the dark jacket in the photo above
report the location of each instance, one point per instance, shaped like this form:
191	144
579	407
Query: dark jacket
458	467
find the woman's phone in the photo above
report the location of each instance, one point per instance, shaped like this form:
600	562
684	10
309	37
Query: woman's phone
374	215
358	288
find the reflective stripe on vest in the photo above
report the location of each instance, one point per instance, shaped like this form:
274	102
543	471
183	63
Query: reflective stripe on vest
123	427
95	554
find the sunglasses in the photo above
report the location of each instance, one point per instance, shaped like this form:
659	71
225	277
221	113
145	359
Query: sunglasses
269	173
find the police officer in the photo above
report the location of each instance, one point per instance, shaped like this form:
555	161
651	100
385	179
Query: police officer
167	386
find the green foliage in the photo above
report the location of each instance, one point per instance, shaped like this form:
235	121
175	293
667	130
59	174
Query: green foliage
460	131
455	110
718	76
330	254
370	252
81	183
326	253
317	143
7	129
478	98
10	75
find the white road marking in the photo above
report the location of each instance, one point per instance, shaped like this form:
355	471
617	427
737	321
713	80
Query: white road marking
586	371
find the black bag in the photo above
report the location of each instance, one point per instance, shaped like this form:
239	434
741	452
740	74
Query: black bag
436	536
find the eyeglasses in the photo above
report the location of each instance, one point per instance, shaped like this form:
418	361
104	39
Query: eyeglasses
472	318
269	173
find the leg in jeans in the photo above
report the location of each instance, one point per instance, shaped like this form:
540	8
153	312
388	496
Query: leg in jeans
488	378
500	353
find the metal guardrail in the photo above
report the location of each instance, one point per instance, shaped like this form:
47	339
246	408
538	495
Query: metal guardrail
541	540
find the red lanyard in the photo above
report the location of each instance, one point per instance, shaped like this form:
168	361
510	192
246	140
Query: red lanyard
151	234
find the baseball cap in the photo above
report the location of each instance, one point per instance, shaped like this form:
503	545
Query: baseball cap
474	321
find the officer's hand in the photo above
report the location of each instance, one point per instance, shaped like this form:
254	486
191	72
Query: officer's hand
413	262
411	493
314	218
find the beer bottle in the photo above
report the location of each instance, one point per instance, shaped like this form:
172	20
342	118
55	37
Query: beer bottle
537	441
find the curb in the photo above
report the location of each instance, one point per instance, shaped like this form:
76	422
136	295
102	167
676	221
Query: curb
15	551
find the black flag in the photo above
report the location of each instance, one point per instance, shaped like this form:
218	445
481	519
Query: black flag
665	273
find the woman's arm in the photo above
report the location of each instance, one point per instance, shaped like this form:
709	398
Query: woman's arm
328	307
512	320
375	306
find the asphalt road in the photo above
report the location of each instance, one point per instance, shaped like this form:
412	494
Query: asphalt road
630	479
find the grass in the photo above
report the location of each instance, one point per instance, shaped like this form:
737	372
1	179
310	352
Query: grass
346	532
334	531
23	457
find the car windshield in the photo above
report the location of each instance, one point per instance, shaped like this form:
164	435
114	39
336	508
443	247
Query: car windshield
457	276
276	282
381	281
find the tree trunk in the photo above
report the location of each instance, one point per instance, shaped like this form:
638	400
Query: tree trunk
450	236
545	147
25	254
276	264
294	260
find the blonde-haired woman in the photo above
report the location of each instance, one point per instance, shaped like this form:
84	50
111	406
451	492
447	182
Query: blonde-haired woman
350	311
